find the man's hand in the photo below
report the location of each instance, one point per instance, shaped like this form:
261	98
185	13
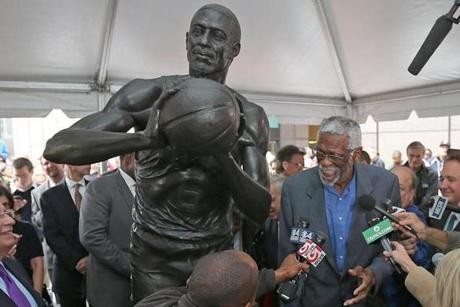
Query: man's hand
366	280
289	268
13	249
411	219
81	265
19	203
408	240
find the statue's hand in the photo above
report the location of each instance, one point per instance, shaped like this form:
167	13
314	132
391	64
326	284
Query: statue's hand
152	129
246	140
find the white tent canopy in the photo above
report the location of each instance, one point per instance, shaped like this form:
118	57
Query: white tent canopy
302	60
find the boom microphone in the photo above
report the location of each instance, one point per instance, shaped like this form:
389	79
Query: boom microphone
438	32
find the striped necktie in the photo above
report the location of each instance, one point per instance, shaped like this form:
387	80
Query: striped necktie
78	196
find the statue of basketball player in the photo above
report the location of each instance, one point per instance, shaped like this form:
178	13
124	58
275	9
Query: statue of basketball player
182	204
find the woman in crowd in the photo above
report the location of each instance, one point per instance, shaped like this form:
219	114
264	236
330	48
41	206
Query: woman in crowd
29	250
15	287
440	290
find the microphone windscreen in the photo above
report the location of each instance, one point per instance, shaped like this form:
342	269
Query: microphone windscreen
437	34
437	258
366	202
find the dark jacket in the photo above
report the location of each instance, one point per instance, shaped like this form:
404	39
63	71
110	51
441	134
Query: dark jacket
16	269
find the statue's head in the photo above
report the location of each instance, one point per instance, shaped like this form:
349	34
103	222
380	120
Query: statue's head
212	42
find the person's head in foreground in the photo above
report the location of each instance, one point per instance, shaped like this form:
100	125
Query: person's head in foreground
224	279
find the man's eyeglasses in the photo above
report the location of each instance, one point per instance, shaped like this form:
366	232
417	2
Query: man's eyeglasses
6	213
334	158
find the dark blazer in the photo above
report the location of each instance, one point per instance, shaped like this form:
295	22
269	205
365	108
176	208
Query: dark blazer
60	228
105	231
303	197
16	269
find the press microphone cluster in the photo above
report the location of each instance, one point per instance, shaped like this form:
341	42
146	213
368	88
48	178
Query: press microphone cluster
438	32
309	249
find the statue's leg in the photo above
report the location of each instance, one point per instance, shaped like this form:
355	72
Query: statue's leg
160	262
152	267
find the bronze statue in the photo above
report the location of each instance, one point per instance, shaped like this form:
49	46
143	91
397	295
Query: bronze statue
183	202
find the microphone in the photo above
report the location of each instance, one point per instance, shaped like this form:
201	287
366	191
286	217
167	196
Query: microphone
437	205
288	289
368	203
309	249
437	258
385	242
438	32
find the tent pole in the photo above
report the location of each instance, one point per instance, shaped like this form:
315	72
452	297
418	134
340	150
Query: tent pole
104	62
332	48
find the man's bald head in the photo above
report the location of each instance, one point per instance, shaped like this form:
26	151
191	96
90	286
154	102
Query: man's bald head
225	279
213	41
407	184
234	25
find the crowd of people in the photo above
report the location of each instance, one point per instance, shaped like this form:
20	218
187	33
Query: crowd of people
74	234
157	231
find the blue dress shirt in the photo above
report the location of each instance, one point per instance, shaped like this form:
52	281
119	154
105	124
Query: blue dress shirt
339	212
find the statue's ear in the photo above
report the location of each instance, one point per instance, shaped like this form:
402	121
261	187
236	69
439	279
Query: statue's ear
186	40
236	49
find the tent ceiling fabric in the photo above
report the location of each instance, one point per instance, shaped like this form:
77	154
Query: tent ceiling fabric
289	63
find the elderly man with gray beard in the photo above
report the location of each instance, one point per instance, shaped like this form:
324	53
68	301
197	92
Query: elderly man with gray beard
327	196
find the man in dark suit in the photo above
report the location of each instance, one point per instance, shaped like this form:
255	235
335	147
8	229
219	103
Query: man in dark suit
60	207
327	196
105	229
15	285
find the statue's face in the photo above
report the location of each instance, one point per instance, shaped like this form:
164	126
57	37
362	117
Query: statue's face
211	46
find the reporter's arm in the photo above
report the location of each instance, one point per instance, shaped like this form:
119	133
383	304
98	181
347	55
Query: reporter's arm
453	240
420	284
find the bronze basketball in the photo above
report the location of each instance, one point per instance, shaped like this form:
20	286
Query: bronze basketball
202	118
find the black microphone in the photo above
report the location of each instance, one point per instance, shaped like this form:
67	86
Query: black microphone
439	201
309	249
288	289
386	244
438	32
368	202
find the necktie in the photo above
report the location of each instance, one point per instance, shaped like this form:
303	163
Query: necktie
77	196
13	290
451	222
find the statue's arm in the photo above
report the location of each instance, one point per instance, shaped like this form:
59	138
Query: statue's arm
249	184
101	135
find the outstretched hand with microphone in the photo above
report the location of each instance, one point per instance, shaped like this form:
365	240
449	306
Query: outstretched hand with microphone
400	255
433	236
289	268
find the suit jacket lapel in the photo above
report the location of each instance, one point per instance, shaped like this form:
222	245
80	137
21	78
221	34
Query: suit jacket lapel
315	190
71	204
13	268
128	198
359	219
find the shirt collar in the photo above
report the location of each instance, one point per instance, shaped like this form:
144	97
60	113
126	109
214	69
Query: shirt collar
127	178
71	184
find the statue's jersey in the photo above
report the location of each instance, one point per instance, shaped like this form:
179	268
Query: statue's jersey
182	199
